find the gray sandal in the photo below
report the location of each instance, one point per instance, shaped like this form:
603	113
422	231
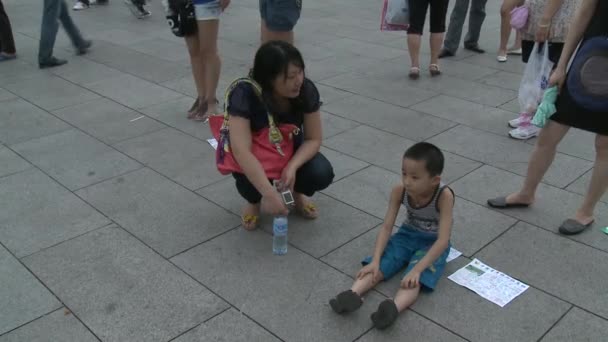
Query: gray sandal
501	203
572	227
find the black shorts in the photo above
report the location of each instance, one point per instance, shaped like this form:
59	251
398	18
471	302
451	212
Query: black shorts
555	51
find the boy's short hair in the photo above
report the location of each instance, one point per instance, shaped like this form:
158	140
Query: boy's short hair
430	154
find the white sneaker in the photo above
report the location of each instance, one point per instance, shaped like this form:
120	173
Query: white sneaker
80	6
524	132
520	120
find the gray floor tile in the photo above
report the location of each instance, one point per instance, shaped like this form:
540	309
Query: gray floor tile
411	324
331	94
11	162
582	184
336	225
183	85
503	79
50	92
513	65
507	154
22	297
357	47
224	194
74	159
133	92
306	285
561	267
578	325
164	215
121	289
173	113
83	71
36	213
404	122
337	65
56	326
334	125
469	315
577	143
468	113
178	156
229	326
343	165
6	95
551	208
22	121
108	121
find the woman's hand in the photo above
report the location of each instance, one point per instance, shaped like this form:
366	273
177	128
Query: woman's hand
273	204
558	77
224	4
288	178
542	32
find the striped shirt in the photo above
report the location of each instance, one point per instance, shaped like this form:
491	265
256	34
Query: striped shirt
426	218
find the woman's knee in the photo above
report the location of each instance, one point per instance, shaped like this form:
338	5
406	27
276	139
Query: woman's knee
318	172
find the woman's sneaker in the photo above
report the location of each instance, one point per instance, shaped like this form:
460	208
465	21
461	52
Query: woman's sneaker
79	5
138	9
521	120
524	132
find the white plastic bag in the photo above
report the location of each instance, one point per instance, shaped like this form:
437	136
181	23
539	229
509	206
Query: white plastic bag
395	15
535	79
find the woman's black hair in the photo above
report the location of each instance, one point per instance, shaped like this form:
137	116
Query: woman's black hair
271	61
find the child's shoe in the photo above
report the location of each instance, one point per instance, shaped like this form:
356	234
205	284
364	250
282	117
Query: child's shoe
386	315
524	132
347	301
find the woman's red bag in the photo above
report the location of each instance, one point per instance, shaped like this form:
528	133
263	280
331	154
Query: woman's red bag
272	146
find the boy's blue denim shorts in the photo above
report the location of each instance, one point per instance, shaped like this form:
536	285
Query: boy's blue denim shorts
408	247
280	15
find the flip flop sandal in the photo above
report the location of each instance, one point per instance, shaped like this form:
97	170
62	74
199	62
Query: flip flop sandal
414	73
501	203
434	70
572	227
309	211
249	220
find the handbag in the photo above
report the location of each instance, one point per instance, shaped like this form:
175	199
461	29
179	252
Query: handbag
182	21
395	15
588	76
272	146
519	17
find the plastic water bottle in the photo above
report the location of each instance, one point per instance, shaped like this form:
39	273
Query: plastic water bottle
279	239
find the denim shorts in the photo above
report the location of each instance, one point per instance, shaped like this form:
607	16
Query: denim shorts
407	247
280	15
207	9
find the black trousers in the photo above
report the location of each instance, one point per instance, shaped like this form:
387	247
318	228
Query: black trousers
317	174
418	8
7	43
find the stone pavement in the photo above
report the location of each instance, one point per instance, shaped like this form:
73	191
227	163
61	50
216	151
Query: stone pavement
115	225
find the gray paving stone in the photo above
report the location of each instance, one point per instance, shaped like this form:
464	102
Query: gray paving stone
22	297
412	324
578	325
18	70
469	315
37	213
74	159
357	47
228	326
343	165
514	64
511	106
167	217
108	121
331	94
182	158
404	122
133	92
183	85
6	95
577	143
582	184
121	289
503	79
11	162
173	113
83	71
295	307
224	194
337	65
50	92
59	325
468	113
334	125
551	208
507	154
169	50
386	150
22	121
561	267
336	225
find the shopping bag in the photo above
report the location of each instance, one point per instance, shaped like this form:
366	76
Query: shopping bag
535	79
395	15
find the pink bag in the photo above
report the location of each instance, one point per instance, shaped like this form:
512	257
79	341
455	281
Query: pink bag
395	20
519	17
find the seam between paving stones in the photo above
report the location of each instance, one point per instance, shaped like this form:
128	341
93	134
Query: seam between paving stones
17	172
63	304
556	323
198	325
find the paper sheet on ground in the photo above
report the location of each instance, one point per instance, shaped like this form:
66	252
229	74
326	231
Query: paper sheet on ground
453	254
489	283
213	143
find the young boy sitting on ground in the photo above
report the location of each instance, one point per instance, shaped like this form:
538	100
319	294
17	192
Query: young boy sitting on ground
422	242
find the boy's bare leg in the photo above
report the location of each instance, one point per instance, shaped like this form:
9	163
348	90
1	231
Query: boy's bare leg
406	297
350	300
361	286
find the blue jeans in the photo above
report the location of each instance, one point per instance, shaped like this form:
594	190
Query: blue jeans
54	12
477	14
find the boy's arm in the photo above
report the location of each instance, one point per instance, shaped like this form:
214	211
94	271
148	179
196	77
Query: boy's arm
445	206
389	221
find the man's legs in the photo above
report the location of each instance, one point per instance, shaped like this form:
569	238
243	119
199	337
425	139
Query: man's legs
70	28
477	16
452	37
48	32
